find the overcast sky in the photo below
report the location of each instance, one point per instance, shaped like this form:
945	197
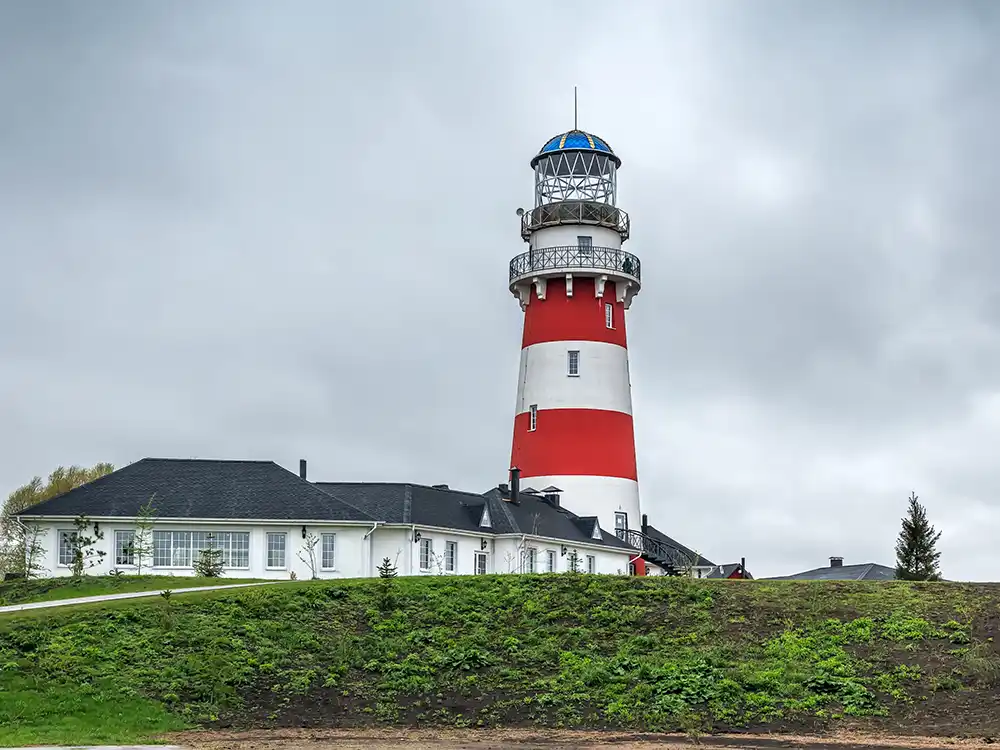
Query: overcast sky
281	230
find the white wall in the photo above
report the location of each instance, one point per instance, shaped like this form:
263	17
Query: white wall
511	556
603	382
350	555
355	557
566	235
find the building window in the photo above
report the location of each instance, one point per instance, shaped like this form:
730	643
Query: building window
485	521
171	549
124	548
450	556
609	315
573	362
532	560
584	245
480	563
533	417
66	539
621	524
591	564
328	557
276	549
550	561
426	553
179	549
631	569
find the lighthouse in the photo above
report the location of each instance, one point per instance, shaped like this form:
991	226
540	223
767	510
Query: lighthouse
573	430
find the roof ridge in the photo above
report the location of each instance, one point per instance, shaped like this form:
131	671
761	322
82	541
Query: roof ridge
209	460
314	488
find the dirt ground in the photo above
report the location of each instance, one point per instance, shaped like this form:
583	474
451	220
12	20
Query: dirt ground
315	739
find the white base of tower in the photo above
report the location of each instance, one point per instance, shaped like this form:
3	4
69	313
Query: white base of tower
595	496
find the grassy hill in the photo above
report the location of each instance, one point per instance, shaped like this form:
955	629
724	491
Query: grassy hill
549	650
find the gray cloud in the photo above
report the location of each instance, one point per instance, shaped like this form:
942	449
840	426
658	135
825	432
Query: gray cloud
239	231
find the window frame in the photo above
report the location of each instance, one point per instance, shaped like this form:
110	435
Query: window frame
224	540
69	533
480	556
322	550
609	315
120	551
624	518
591	563
450	556
532	417
283	535
571	361
426	549
531	557
550	561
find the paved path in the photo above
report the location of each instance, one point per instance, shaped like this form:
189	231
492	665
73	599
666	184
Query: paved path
128	595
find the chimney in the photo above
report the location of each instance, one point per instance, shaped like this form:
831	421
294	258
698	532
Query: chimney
836	562
302	468
743	567
552	499
645	522
504	490
515	484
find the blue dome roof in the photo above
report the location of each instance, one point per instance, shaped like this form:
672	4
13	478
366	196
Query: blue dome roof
575	140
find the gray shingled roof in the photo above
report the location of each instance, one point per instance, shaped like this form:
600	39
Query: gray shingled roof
199	488
533	515
862	572
415	503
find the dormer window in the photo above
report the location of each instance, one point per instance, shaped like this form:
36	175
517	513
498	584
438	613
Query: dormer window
597	531
485	521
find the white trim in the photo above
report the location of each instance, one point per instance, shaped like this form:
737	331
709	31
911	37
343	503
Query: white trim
475	562
430	554
267	550
322	540
570	361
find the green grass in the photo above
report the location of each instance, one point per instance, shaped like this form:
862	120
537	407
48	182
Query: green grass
547	650
53	589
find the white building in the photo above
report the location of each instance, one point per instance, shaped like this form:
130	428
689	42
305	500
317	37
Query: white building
263	516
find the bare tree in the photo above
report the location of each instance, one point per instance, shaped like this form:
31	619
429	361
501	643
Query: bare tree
308	553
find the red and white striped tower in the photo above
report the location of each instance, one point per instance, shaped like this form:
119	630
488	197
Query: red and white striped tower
573	422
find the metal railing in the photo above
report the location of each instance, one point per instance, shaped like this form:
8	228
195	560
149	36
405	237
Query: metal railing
675	561
575	256
575	212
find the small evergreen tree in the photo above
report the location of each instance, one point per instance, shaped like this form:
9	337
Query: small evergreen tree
82	546
916	548
142	540
386	585
209	562
34	553
386	569
573	564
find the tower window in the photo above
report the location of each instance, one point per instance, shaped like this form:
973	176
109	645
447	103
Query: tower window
609	315
584	246
573	363
533	412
